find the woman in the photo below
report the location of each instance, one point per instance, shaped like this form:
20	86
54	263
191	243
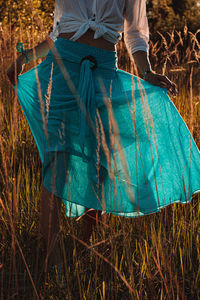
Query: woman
108	140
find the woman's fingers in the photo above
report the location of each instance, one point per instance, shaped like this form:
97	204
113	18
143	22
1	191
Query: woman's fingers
171	86
163	82
173	89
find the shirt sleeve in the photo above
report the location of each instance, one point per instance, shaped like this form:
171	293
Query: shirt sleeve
57	15
136	29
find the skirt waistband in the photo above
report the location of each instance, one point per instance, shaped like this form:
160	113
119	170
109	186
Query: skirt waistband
74	52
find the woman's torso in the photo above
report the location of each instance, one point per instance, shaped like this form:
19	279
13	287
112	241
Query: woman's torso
100	23
94	22
88	38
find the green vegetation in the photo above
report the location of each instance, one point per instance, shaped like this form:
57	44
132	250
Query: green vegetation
169	14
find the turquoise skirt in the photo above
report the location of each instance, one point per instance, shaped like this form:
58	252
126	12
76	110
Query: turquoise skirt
107	140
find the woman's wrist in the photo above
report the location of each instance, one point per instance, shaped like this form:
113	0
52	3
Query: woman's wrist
40	51
28	56
22	59
147	73
142	61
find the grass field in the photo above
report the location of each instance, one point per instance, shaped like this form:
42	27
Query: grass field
152	257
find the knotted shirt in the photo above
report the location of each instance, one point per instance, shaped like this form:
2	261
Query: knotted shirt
107	18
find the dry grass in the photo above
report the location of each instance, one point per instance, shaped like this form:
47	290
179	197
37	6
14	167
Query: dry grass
153	257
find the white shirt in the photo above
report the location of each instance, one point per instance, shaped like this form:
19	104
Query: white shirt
108	19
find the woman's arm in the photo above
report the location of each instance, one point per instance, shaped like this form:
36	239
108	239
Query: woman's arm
142	61
136	37
41	50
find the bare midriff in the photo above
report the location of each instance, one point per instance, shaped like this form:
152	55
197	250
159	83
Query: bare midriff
88	38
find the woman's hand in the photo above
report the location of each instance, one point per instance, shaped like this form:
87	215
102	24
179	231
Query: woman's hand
161	81
142	61
19	68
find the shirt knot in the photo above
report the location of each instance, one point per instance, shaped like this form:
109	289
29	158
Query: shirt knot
98	28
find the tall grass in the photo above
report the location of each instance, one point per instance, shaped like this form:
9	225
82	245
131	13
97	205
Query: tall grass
152	257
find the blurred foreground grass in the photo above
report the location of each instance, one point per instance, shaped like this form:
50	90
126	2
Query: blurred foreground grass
158	256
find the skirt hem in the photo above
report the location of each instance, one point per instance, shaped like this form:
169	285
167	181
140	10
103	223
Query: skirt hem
128	213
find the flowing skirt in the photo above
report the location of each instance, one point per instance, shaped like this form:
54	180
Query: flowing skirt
107	140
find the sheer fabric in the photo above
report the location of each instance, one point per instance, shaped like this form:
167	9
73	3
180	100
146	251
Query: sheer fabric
141	156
